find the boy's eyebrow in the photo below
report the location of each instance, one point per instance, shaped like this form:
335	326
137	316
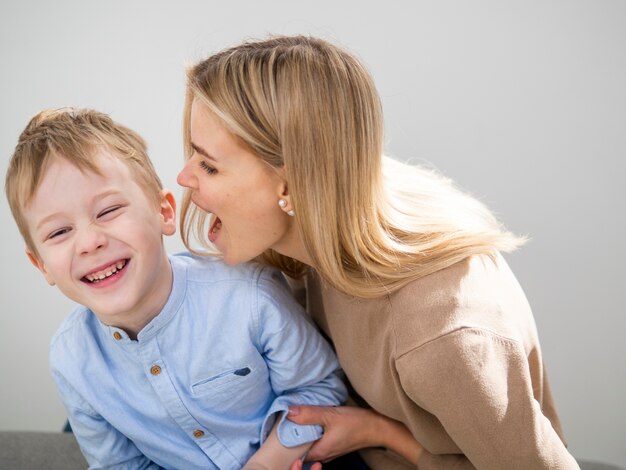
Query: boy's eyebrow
46	219
201	151
97	197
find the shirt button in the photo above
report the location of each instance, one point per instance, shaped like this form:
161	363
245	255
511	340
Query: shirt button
198	433
155	370
117	336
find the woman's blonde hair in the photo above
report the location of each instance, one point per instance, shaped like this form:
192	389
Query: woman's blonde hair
75	135
370	224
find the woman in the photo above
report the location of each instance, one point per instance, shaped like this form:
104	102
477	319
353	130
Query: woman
284	142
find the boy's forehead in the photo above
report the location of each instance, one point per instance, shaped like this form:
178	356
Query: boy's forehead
58	172
101	162
64	175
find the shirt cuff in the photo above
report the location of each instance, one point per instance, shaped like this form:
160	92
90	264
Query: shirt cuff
289	434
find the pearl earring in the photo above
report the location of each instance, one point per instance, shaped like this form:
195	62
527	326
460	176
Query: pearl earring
283	203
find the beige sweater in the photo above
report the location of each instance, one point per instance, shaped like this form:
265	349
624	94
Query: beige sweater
454	356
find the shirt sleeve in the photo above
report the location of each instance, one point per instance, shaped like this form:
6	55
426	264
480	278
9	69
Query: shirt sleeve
478	385
302	367
103	446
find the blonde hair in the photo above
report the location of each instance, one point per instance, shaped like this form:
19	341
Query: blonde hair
370	224
75	135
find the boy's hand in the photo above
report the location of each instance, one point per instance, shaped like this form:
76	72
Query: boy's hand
254	466
297	465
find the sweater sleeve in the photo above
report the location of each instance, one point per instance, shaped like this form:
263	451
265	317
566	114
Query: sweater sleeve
477	385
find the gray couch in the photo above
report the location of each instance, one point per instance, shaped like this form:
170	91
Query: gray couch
40	450
59	451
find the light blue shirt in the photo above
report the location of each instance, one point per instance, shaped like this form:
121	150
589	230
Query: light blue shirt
202	385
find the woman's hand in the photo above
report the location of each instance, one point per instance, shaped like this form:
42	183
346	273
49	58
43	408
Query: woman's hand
349	428
346	428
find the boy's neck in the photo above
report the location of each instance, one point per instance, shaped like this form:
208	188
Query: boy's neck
149	307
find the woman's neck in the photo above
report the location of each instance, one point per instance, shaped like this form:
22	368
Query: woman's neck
292	245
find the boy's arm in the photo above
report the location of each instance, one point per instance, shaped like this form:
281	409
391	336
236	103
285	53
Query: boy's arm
303	369
103	446
274	456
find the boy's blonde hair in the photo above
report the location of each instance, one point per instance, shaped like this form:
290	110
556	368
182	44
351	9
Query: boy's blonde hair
75	135
371	225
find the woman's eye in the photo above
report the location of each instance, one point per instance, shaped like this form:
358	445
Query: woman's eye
207	168
108	210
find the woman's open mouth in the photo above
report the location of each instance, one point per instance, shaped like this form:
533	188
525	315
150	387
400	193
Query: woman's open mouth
214	229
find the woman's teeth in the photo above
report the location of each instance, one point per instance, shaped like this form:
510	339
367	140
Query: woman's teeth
217	226
106	272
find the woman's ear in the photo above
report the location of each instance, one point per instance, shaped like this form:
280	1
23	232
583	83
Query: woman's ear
168	212
284	201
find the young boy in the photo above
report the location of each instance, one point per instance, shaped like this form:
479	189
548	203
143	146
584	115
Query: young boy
176	362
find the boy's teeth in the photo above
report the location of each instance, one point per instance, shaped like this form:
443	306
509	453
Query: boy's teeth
106	272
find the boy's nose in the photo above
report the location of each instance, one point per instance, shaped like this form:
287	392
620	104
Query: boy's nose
90	239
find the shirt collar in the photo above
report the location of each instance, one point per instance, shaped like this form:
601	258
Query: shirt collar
171	307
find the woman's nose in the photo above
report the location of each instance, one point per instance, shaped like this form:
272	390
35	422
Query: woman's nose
185	178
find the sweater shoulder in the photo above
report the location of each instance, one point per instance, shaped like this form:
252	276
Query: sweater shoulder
478	293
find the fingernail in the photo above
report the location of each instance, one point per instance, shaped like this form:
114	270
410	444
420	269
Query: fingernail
293	411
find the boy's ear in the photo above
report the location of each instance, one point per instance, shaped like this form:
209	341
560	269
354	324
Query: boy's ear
168	212
40	266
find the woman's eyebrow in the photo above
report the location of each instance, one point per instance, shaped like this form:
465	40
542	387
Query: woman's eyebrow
201	151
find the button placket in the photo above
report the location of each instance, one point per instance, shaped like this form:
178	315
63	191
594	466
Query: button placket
163	385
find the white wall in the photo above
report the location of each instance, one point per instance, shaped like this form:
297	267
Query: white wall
523	103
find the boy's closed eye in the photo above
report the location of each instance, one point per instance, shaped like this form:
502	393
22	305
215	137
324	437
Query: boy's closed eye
109	211
58	233
104	215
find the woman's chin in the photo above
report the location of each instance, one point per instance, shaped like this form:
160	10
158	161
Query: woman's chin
235	257
230	261
228	257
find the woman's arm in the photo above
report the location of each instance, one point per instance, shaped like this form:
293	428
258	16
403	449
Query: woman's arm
478	385
349	428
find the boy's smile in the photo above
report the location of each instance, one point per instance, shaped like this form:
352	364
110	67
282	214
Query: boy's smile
108	273
99	239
